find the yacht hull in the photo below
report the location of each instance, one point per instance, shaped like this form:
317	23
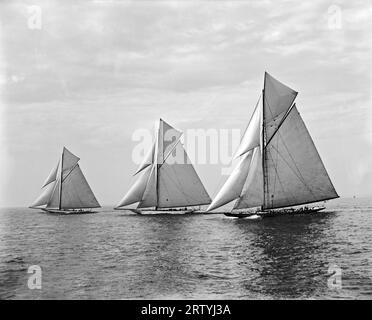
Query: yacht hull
276	213
68	212
162	212
290	212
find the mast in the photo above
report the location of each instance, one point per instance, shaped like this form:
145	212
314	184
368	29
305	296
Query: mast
157	166
60	185
157	186
263	152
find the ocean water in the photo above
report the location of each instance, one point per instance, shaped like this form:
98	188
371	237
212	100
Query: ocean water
119	255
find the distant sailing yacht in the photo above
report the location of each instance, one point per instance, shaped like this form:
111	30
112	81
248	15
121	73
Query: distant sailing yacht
167	178
66	190
279	165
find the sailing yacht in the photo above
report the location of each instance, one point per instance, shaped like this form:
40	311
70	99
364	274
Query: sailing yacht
279	166
66	190
167	181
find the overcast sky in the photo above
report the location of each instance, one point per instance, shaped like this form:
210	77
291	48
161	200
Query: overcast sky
96	71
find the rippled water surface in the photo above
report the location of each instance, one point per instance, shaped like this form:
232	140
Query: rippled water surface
118	255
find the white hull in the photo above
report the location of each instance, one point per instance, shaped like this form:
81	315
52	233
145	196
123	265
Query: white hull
250	216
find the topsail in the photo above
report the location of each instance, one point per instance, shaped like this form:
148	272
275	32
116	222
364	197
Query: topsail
279	165
66	187
167	177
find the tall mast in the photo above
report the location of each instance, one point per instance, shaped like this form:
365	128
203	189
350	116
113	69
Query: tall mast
157	165
60	185
263	151
157	186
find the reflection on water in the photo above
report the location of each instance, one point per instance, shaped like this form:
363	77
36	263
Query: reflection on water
118	255
291	261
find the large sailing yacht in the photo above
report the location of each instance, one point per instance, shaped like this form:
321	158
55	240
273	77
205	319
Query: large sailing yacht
279	165
66	190
167	180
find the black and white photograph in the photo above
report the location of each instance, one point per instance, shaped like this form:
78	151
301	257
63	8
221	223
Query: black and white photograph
173	150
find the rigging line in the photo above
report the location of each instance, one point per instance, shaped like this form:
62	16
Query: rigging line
298	175
170	152
288	110
282	121
295	95
283	189
266	102
70	172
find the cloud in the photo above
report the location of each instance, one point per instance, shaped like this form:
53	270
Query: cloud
96	71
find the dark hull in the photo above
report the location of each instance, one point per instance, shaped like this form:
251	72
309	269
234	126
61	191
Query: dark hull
276	213
290	212
162	212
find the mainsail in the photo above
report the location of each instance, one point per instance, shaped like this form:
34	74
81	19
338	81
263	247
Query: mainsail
66	187
168	179
280	165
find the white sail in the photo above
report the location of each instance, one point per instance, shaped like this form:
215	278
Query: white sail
170	180
252	193
149	198
44	196
296	174
251	138
53	202
278	98
179	185
233	186
76	192
137	190
52	176
69	160
290	171
167	138
148	160
170	137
